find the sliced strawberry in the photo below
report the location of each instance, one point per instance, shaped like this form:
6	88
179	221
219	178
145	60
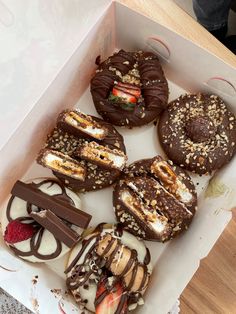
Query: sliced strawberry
17	231
126	97
108	299
130	88
128	92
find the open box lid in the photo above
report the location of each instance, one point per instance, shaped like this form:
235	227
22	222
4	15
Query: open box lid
36	41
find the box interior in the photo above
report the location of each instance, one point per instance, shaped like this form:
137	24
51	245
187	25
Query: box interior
188	69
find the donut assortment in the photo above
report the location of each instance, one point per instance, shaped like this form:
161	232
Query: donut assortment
198	132
109	267
130	89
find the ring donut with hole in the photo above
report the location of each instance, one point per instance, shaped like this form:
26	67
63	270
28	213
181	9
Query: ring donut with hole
130	89
198	132
154	199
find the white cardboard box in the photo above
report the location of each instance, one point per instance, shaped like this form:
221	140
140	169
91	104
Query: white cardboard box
188	68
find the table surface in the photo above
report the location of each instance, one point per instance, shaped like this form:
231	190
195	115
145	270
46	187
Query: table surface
213	287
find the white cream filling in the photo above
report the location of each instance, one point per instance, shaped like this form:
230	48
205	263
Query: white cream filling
104	155
89	129
126	239
183	192
157	222
180	188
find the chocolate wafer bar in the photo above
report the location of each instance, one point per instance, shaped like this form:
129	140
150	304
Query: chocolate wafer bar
34	196
56	226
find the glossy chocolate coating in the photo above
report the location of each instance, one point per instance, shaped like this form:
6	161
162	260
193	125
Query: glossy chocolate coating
198	132
154	88
68	143
156	199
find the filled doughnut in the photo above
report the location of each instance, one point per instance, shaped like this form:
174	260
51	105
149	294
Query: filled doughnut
108	271
154	199
129	88
84	152
35	233
198	132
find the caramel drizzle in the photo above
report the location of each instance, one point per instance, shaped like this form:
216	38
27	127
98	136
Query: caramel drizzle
36	239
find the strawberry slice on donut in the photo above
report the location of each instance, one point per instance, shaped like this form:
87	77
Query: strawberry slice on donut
17	231
128	92
109	297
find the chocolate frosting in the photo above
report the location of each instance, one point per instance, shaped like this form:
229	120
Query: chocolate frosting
67	143
154	88
198	132
36	239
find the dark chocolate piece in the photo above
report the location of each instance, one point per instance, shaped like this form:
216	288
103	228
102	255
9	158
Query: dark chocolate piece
62	163
142	69
154	200
56	226
198	132
30	194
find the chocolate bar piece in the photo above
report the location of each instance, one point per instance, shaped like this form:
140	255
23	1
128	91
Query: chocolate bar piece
77	123
61	163
102	156
29	193
169	179
56	226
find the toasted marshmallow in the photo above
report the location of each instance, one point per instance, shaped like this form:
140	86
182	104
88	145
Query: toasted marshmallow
62	163
103	156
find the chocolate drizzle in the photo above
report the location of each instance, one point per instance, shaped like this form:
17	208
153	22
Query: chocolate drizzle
154	88
105	251
36	239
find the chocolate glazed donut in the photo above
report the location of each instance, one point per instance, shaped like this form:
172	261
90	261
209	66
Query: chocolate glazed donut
154	200
138	81
198	132
81	140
